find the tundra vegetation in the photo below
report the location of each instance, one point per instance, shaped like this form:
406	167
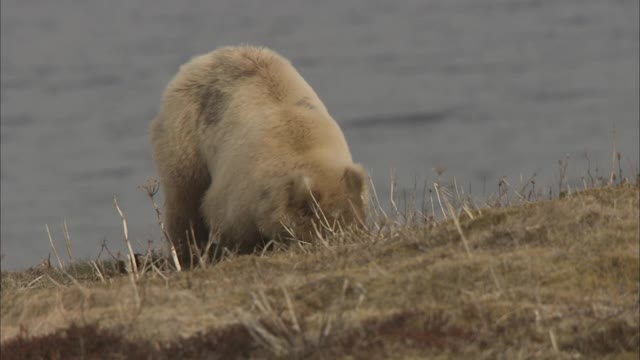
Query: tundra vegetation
523	273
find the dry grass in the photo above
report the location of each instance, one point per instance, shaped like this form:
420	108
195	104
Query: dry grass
519	279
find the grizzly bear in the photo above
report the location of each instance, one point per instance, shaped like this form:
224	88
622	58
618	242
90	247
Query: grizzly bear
246	151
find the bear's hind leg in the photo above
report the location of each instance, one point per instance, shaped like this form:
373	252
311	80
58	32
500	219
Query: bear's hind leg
184	222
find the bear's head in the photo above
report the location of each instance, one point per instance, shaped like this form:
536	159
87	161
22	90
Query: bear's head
335	197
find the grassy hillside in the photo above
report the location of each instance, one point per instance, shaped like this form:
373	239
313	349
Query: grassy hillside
544	279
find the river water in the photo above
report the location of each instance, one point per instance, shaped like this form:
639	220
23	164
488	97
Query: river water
481	89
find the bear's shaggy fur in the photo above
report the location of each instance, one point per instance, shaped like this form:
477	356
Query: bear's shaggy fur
243	146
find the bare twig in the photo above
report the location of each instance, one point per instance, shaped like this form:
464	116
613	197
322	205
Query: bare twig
457	223
375	194
131	257
55	252
151	187
392	192
436	186
98	272
612	174
67	239
294	320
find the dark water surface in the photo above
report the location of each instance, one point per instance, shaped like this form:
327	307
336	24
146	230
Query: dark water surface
482	88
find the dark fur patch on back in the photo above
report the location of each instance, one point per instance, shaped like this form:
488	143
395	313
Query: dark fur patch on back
305	102
212	104
229	69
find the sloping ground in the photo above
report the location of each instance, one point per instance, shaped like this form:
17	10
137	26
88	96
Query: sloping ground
550	279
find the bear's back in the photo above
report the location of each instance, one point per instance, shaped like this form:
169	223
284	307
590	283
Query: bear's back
266	72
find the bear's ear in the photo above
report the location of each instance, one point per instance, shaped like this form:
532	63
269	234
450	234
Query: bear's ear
354	177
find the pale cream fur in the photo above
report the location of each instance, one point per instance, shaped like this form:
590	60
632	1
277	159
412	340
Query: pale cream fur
241	142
